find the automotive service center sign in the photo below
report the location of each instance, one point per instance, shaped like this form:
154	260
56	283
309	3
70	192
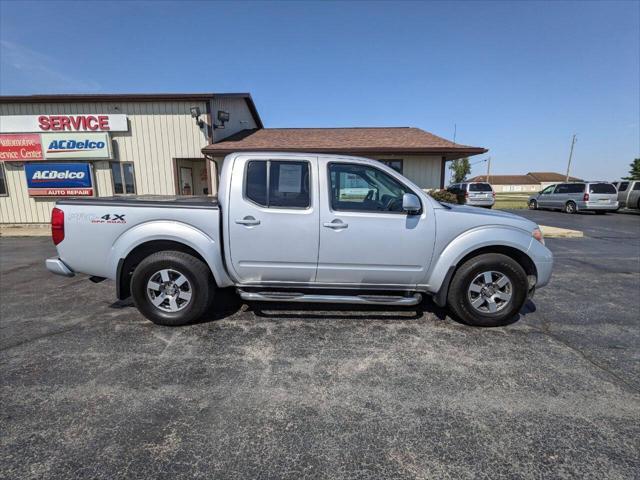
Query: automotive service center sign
20	147
58	179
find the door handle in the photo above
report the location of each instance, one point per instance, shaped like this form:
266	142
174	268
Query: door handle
248	221
336	224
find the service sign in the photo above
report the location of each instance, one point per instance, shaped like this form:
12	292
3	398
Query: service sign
97	122
93	146
58	179
20	147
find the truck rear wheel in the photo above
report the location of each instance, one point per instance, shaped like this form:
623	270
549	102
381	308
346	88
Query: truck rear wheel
172	288
488	290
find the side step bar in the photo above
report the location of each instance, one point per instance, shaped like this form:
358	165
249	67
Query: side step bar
414	299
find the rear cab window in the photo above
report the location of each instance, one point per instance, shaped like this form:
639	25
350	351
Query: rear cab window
602	188
277	184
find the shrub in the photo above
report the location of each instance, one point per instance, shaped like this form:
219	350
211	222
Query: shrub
443	196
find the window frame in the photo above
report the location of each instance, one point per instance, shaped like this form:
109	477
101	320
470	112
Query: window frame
268	183
3	180
375	212
124	182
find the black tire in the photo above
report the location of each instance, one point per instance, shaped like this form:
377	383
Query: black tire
458	296
533	205
199	281
570	207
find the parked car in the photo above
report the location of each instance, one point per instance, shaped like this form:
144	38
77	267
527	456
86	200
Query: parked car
628	193
600	197
477	194
291	228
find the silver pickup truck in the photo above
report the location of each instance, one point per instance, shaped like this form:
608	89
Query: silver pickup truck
303	228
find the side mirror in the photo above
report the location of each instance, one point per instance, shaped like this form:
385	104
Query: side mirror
411	203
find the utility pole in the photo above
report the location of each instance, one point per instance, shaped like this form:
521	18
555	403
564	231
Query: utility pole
455	130
488	169
573	142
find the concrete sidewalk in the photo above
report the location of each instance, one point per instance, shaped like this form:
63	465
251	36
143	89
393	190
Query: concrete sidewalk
557	232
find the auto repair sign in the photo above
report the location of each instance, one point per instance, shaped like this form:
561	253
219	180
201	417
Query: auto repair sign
20	147
58	179
94	146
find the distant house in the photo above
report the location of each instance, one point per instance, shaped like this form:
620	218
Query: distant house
531	182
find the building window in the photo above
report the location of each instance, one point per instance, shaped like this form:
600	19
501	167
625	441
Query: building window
395	164
123	178
279	184
3	181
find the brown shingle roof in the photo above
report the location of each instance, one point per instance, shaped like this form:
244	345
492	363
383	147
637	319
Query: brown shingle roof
506	179
531	178
341	140
552	177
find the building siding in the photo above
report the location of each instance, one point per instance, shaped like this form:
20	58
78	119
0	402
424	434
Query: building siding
423	170
158	133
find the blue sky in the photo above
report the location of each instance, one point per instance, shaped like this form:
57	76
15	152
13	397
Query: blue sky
516	77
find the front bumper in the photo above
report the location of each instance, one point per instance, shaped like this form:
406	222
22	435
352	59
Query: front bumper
543	260
57	266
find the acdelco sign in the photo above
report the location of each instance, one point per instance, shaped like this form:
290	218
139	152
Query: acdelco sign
76	145
58	179
63	123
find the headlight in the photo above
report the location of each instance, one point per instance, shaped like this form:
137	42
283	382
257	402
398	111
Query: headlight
537	234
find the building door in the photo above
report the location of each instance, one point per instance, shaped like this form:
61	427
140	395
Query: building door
192	176
365	237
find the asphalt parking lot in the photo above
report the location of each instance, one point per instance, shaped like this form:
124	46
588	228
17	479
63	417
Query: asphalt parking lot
90	389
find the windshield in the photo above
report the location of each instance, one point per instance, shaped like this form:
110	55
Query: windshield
480	187
602	188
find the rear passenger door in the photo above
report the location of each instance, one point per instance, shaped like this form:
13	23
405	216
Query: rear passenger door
560	196
273	219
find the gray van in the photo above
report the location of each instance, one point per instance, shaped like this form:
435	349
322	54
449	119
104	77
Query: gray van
600	197
477	194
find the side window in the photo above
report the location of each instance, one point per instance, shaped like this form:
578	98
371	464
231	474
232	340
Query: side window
395	164
123	178
623	186
274	183
636	186
562	188
364	188
3	181
576	188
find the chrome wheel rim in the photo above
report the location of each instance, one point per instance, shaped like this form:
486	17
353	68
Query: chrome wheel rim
169	290
570	207
490	292
532	204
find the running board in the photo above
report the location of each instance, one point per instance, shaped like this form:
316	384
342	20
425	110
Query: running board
414	299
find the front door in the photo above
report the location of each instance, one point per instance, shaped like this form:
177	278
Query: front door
273	220
545	199
365	237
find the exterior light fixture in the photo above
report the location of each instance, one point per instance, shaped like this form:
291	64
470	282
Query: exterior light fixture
195	113
223	117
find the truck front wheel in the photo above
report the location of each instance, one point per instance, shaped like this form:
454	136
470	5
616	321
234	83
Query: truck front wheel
488	290
172	288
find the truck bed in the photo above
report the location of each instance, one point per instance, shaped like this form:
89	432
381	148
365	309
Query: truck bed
158	201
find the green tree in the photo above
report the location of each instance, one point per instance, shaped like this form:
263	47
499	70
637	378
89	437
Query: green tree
634	171
460	168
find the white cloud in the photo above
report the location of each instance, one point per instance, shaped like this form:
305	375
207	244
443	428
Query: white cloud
22	68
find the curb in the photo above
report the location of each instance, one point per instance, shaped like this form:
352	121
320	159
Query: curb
557	232
34	230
